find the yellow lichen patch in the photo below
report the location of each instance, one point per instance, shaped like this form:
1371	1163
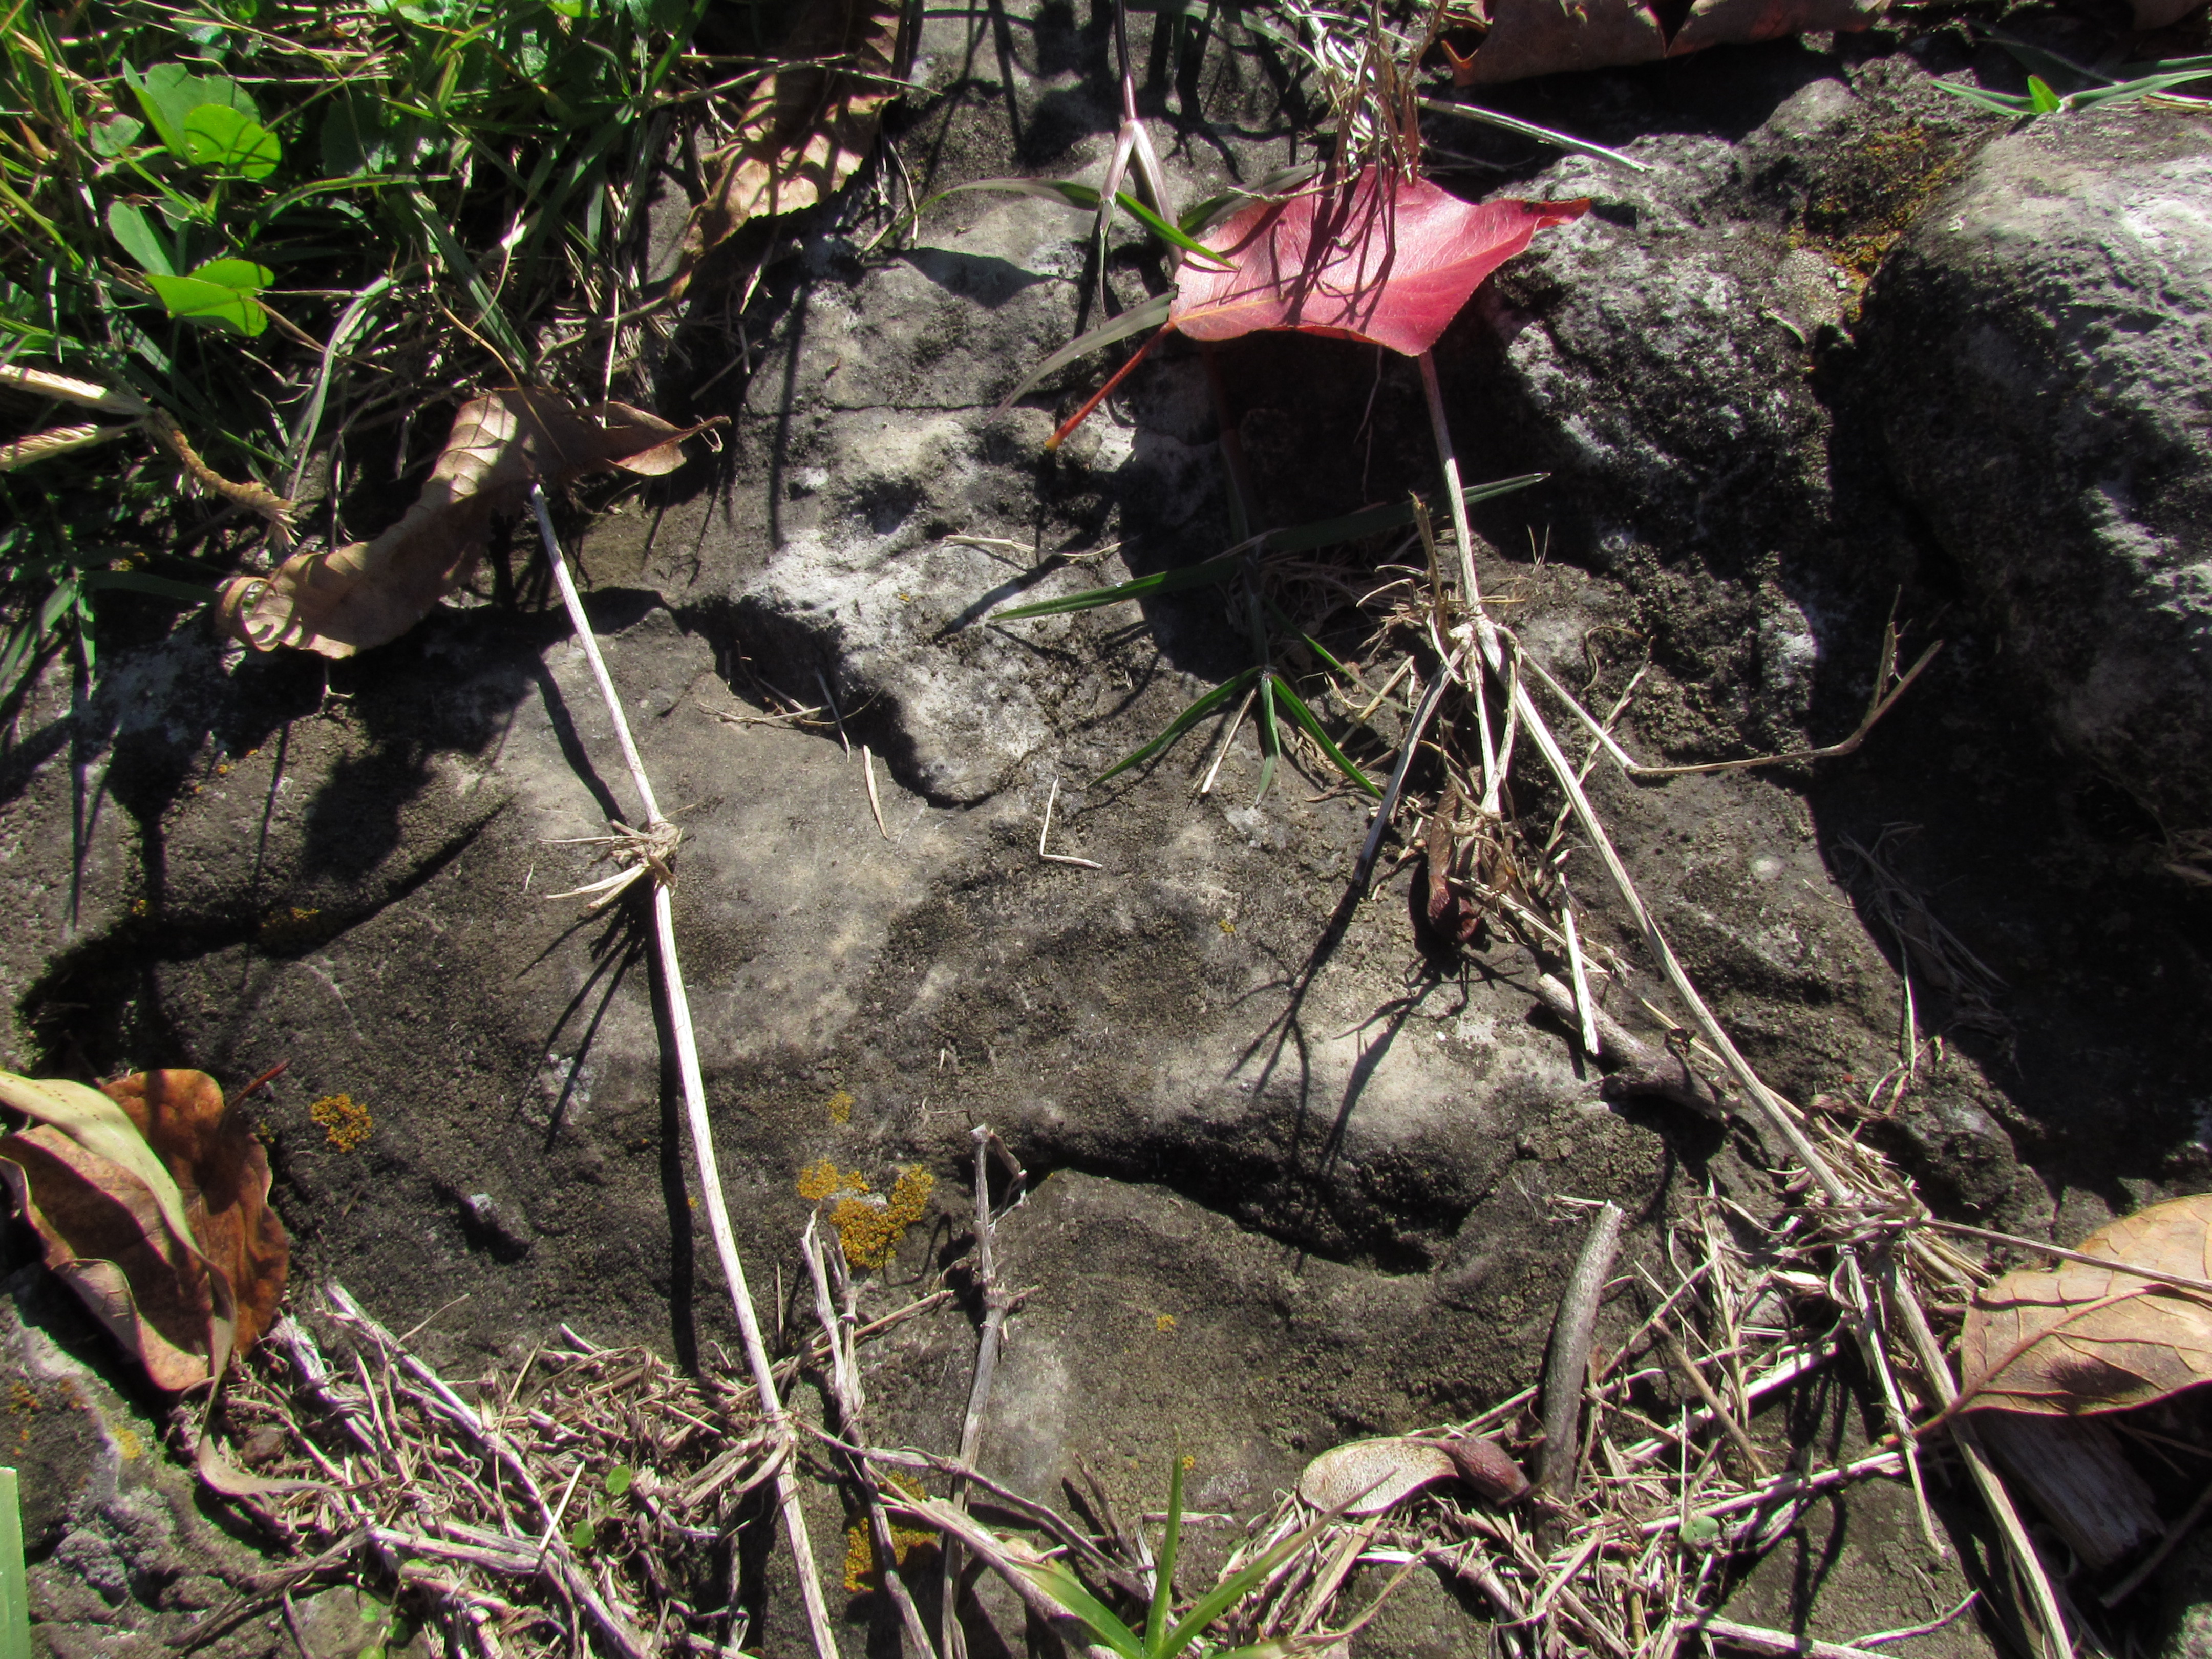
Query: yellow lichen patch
863	1573
840	1107
345	1124
1164	1323
869	1226
1874	195
288	927
823	1179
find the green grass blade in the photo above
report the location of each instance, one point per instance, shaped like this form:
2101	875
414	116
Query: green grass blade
1211	573
1135	320
1304	716
2041	96
1311	643
1271	741
14	1601
1183	722
2199	67
1226	1594
34	632
1283	181
1065	1587
2096	95
1490	117
463	268
1156	1620
1303	538
1374	520
2004	103
1084	197
1168	232
2049	64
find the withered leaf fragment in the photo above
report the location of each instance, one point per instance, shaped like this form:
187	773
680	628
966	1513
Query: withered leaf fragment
1544	37
808	125
221	1172
362	595
1366	1477
151	1203
2074	1338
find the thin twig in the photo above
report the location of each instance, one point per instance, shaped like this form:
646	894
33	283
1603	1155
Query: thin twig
2150	1564
845	1389
996	1301
1927	1629
694	1102
875	801
1044	834
1779	1644
1679	1358
1387	808
1573	1329
2113	1264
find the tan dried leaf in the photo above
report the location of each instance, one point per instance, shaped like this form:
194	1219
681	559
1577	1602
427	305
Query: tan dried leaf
1365	1477
2076	1338
223	1173
1544	37
2159	14
105	1238
808	125
362	595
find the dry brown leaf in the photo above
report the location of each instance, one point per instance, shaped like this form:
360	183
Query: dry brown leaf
151	1200
223	1173
105	1238
1365	1477
2076	1338
2158	14
1546	36
807	126
360	596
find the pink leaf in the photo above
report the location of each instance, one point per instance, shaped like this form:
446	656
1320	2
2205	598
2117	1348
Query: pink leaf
1389	261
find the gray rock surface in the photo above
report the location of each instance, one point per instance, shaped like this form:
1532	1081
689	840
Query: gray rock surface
1307	1179
2039	342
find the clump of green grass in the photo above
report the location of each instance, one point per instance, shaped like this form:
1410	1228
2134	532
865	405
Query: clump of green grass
273	221
1271	632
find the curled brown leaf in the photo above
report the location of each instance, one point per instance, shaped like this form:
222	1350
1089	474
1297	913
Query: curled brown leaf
2078	1338
223	1173
1543	37
1365	1477
362	595
151	1199
104	1236
808	125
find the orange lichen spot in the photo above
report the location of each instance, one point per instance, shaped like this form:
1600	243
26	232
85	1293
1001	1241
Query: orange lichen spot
823	1179
345	1124
141	908
840	1107
864	1573
869	1225
1165	1323
289	926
